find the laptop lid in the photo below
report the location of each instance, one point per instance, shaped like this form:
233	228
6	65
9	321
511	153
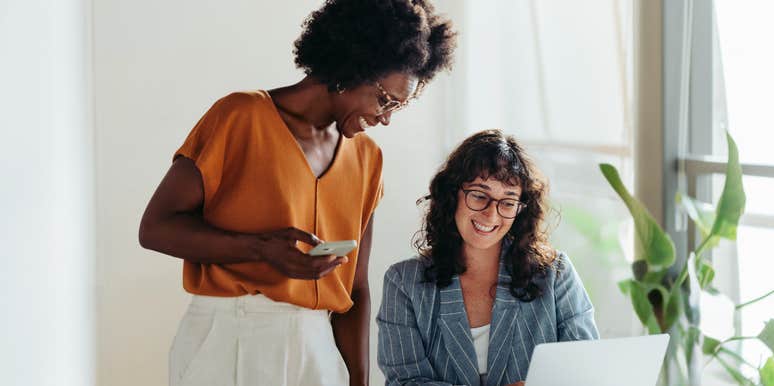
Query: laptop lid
631	361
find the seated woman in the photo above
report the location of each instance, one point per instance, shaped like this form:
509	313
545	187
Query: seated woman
486	287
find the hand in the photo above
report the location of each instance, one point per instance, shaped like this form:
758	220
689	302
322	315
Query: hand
279	250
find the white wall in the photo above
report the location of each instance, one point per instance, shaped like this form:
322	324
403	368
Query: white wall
47	194
159	66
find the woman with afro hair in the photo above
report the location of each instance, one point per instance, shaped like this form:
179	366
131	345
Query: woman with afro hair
486	287
264	176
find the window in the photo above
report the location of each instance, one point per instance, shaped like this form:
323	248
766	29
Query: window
744	34
558	76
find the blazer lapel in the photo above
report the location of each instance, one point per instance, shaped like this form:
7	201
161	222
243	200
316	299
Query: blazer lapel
456	333
504	312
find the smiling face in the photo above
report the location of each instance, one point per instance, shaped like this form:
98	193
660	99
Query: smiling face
483	230
362	107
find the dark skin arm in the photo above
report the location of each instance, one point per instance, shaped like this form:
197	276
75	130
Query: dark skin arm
173	224
351	329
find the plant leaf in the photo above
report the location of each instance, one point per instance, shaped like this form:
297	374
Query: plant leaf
639	294
767	372
732	200
639	269
710	345
625	286
673	308
701	213
651	242
767	334
705	274
642	307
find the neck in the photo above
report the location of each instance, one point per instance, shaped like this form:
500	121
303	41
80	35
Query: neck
481	261
307	102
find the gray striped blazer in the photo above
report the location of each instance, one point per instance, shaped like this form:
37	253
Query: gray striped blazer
425	339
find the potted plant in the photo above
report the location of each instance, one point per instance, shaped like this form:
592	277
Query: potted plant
665	291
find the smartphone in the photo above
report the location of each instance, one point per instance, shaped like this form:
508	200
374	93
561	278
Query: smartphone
338	248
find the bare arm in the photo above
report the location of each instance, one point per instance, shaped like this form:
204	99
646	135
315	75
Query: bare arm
351	329
173	224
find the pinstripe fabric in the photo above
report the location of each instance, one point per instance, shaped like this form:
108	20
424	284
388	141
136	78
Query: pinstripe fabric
425	339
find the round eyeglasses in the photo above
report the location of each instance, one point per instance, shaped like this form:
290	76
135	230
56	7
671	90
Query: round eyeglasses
388	104
477	200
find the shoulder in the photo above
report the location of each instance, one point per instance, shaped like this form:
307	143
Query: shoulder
366	142
557	269
240	102
562	265
562	273
367	147
406	273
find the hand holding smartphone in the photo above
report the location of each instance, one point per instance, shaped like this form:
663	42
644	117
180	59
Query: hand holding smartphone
338	248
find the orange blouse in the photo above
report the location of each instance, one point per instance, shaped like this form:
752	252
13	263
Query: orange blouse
257	179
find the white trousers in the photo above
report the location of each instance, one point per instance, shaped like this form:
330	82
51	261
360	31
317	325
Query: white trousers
254	341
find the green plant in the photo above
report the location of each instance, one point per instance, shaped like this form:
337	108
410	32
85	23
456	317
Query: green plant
665	291
593	242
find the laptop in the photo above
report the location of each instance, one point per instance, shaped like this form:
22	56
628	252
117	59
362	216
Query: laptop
632	361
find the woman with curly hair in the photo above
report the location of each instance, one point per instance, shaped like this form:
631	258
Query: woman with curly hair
486	287
263	170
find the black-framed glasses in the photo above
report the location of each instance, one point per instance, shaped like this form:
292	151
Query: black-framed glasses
389	104
506	207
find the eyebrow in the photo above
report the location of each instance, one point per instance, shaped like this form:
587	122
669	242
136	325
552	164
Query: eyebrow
409	94
395	97
487	188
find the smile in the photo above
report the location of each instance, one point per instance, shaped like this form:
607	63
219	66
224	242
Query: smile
363	123
483	228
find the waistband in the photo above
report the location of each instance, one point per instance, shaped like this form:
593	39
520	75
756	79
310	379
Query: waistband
250	304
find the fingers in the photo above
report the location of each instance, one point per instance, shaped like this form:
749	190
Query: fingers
330	260
305	267
327	271
323	265
293	263
303	236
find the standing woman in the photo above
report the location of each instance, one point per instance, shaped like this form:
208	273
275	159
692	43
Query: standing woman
263	170
487	287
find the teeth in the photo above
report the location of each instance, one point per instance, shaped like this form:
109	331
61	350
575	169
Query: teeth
483	228
363	123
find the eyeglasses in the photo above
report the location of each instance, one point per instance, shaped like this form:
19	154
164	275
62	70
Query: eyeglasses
506	207
389	104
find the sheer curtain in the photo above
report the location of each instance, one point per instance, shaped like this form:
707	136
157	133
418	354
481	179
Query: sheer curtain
558	75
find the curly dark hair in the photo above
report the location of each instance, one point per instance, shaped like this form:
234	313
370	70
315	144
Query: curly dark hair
487	154
352	42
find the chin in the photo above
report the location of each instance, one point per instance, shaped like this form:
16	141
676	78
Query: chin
477	244
350	134
347	132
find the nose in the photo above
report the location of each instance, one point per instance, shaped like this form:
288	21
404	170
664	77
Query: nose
491	210
385	118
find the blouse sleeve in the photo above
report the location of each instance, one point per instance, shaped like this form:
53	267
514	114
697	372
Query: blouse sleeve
208	144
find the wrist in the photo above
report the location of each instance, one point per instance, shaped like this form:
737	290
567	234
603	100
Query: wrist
358	379
250	246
